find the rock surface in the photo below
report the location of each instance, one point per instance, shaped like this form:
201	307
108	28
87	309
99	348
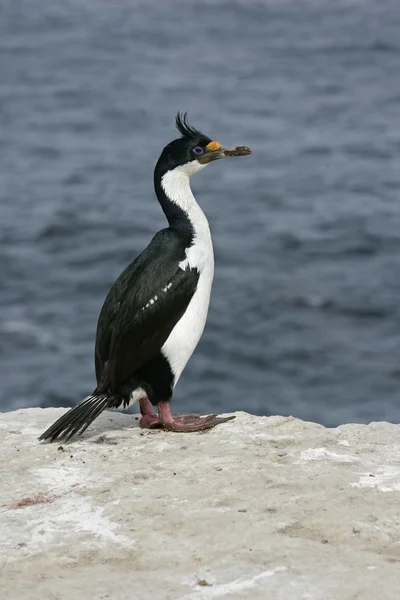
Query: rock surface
257	508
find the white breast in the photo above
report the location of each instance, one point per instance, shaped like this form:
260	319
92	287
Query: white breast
187	332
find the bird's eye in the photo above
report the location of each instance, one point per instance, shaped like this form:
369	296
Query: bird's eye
198	150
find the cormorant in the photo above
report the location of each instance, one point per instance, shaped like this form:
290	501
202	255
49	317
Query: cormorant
154	314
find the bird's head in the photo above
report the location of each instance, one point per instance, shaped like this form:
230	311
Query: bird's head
194	150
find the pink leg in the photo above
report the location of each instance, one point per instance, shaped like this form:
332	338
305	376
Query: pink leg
187	423
149	418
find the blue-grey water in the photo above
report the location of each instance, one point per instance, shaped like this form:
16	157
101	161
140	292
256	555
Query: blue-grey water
305	311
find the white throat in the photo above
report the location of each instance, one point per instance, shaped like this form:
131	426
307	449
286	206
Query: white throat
176	186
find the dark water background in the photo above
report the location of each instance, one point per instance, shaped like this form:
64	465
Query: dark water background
305	312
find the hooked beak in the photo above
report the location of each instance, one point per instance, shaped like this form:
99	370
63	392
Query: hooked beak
211	154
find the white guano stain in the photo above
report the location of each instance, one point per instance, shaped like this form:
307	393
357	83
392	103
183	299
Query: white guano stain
385	479
72	511
234	587
313	454
68	514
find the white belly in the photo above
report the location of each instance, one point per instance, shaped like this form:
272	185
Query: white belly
187	332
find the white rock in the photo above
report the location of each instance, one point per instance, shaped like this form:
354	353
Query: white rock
257	508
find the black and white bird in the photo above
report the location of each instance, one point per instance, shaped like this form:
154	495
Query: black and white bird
154	314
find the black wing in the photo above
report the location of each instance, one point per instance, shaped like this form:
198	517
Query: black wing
141	309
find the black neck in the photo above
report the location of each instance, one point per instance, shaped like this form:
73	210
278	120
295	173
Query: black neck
177	218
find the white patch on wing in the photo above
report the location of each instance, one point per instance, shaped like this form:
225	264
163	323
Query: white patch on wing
150	302
187	332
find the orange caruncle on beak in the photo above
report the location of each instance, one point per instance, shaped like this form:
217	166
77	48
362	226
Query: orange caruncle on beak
212	146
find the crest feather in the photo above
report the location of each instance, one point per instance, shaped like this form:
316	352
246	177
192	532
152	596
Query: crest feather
186	130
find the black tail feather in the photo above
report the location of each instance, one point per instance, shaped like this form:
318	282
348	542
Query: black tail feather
76	420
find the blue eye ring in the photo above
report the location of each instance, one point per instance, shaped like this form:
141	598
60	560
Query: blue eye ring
198	150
